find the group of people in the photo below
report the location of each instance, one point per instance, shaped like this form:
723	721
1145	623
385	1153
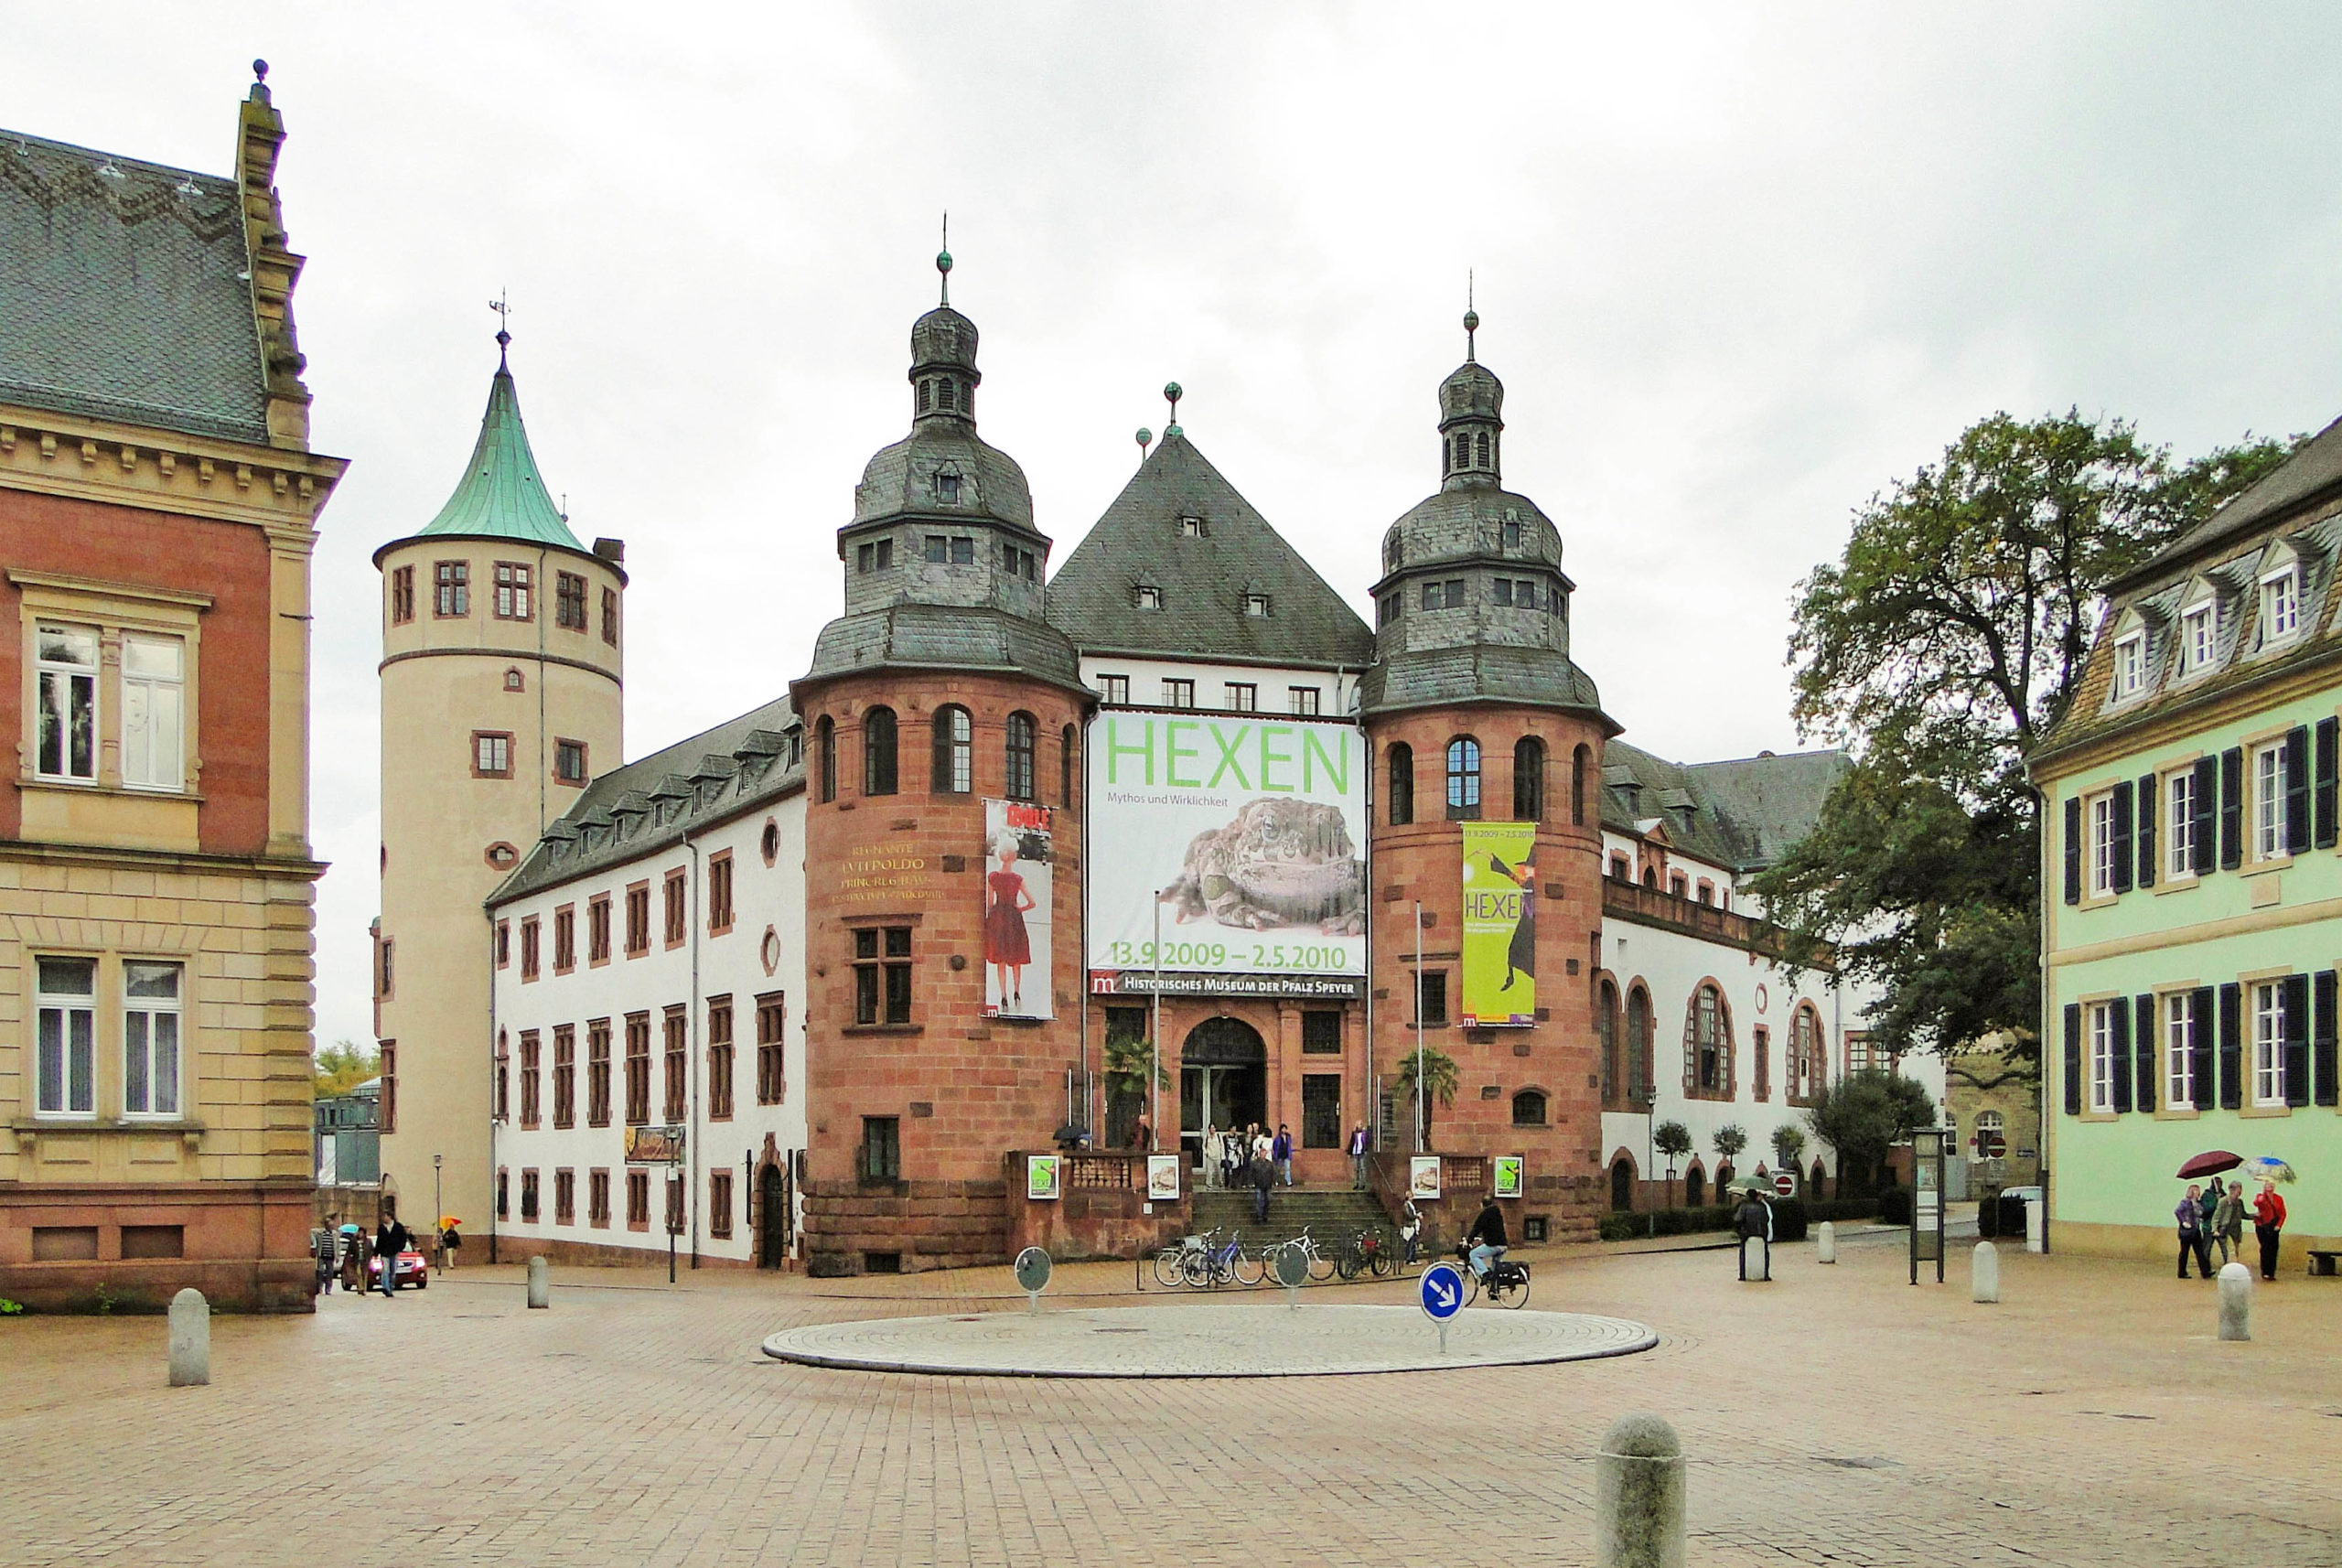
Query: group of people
341	1252
1228	1156
2216	1214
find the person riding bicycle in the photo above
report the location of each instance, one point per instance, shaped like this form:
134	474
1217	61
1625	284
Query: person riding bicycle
1487	1239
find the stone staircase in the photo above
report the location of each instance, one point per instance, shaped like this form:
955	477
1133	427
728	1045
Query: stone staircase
1333	1215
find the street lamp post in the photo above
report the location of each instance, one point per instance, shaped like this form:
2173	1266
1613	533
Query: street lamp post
438	1243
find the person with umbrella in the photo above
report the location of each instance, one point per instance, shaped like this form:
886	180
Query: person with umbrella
2268	1221
1754	1217
2191	1215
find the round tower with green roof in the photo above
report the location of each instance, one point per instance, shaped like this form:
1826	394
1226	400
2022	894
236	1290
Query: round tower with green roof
502	658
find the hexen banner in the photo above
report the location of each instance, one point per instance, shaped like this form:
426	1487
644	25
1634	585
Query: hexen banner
1500	958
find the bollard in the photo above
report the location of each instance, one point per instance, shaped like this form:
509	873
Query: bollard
1825	1243
2236	1302
540	1282
2035	1217
1756	1259
190	1339
1984	1272
1639	1513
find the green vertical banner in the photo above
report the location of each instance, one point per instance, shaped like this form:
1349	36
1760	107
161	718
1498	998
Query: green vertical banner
1500	923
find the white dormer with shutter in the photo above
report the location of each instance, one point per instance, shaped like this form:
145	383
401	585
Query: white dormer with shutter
2199	629
2280	578
2133	649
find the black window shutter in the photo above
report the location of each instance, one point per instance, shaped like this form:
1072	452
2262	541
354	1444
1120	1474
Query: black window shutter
2231	1047
2073	1059
2321	1053
2199	1045
2118	1018
2329	732
2142	1049
2296	1057
2204	807
2297	789
2119	874
2231	808
2146	830
2074	850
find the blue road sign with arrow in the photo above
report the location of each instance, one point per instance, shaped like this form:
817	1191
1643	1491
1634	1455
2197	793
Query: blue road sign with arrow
1442	1288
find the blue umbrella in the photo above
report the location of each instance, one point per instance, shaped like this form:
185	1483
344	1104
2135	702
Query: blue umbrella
2266	1167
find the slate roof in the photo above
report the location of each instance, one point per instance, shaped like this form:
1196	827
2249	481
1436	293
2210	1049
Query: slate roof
1479	672
945	636
125	292
2296	510
501	494
1742	814
651	802
1138	540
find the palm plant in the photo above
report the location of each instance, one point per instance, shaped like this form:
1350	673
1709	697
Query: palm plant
1128	1059
1437	1069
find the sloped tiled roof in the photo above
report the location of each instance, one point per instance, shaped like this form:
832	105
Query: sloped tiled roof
501	494
654	800
1742	814
2316	467
1204	580
1479	673
125	292
944	637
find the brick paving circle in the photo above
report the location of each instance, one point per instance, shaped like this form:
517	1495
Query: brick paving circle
1217	1341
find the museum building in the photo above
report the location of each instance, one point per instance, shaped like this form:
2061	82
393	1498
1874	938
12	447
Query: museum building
1321	847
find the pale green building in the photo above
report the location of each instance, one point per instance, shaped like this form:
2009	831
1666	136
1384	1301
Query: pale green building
2192	909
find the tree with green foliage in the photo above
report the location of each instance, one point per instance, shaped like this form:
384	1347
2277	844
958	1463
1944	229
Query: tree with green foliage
1865	1113
342	1067
1128	1058
1440	1080
1729	1140
1788	1145
1673	1140
1945	640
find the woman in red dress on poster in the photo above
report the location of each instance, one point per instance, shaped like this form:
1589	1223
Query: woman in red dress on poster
1006	947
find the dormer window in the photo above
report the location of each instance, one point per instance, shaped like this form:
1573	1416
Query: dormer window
2281	605
2130	665
2197	629
1146	597
1394	552
947	488
1511	535
1191	527
1256	605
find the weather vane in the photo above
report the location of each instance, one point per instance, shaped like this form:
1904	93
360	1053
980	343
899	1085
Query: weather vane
1471	321
943	260
502	305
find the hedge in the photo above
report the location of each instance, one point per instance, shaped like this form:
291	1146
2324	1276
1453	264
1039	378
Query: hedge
1791	1217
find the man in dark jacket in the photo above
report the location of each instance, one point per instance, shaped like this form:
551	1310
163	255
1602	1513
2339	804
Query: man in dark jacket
1264	1177
1754	1217
1486	1236
389	1241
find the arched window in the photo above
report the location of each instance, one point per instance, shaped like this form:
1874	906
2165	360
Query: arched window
1651	876
1639	1084
1064	766
1578	759
1806	1067
1529	1109
955	766
1529	780
1402	784
1020	757
878	752
925	396
1462	780
1622	1186
1606	1029
1480	446
946	385
1707	1046
1695	1187
825	757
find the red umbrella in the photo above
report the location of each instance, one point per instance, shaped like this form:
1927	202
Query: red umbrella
2211	1162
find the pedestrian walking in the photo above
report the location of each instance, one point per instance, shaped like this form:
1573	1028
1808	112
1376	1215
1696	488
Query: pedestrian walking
349	1251
321	1253
451	1240
1754	1217
1142	1134
1411	1228
2227	1226
2268	1221
1281	1151
2192	1243
1358	1158
1208	1156
1264	1177
389	1241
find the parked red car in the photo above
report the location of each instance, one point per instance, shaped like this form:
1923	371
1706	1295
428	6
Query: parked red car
414	1269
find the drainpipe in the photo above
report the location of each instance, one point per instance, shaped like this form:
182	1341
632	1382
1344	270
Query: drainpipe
490	915
691	1033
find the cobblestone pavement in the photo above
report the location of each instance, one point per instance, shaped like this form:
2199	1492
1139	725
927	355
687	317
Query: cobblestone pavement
1207	1340
1835	1416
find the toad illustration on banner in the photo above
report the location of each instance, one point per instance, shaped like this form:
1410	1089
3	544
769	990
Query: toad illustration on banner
1018	878
1500	924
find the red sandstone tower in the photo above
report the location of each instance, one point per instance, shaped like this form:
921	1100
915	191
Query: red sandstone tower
942	843
1476	715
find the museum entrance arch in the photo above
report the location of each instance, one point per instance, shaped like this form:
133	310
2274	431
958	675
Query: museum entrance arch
1224	1080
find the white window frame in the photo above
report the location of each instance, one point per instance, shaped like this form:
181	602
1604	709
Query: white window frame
2268	783
74	679
2178	1050
2099	1024
2130	665
2281	604
1115	689
1147	596
1178	691
1243	696
65	1006
2179	824
492	753
154	749
2268	1043
146	1020
2098	814
1305	698
2200	635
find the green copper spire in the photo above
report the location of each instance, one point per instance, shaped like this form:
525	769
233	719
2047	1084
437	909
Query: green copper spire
501	494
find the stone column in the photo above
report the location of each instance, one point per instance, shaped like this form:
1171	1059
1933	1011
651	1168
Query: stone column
190	1351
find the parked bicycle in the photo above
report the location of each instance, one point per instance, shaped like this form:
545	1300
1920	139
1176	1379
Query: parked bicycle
1322	1264
1219	1264
1171	1262
1367	1253
1507	1284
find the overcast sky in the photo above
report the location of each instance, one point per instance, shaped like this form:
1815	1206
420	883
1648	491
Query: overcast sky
1739	267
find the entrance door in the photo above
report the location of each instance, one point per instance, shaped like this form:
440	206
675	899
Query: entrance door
772	1218
1224	1080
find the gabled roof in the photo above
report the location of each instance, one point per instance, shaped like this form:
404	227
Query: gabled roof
501	495
1138	541
2314	469
654	800
125	292
1744	815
